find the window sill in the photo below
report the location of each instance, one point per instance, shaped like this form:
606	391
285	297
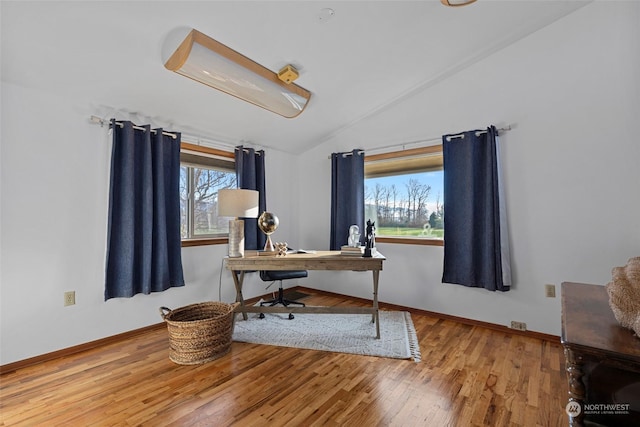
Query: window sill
410	241
205	242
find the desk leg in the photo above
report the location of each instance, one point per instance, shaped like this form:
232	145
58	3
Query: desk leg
239	298
376	315
576	387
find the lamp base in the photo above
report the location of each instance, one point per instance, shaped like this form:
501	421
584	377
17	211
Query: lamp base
236	238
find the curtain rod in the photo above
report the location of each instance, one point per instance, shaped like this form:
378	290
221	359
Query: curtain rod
346	153
438	138
350	153
186	137
478	132
97	120
419	141
246	150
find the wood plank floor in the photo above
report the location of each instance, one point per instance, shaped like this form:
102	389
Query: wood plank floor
468	376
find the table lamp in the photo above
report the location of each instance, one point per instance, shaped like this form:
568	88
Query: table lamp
238	204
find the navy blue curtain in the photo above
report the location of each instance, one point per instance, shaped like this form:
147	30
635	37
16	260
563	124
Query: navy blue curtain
250	176
347	196
143	241
475	241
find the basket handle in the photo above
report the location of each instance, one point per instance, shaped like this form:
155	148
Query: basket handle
162	312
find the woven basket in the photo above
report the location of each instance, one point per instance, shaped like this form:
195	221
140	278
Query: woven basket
199	333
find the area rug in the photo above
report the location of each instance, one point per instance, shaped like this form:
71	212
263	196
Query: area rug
343	333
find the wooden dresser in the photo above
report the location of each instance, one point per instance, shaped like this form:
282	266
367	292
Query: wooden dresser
602	360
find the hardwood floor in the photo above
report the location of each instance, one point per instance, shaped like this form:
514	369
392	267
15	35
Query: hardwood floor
468	376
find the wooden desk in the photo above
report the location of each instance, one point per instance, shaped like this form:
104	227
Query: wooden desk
321	260
603	358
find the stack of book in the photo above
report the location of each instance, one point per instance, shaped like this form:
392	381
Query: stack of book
351	250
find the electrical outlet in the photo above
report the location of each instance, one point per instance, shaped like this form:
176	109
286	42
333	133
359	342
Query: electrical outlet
550	291
69	298
520	326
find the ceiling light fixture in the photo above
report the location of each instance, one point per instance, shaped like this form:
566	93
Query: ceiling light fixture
456	3
208	61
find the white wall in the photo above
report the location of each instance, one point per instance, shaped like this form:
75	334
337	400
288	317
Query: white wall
572	93
55	179
571	168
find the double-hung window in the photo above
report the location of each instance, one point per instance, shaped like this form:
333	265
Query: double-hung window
404	194
204	171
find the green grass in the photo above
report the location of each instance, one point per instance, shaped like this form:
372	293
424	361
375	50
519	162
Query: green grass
409	232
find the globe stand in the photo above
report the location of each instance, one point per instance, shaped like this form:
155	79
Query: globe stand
268	247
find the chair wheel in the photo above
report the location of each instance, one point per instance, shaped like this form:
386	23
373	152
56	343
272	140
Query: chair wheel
261	316
291	316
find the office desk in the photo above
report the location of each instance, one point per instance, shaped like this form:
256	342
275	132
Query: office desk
321	260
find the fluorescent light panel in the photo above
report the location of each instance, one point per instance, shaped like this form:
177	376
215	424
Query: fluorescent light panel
208	61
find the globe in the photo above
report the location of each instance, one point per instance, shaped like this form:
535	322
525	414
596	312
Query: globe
268	223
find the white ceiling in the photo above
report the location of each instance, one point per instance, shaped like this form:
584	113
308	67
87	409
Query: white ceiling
368	56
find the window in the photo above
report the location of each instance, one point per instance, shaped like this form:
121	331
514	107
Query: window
203	172
404	193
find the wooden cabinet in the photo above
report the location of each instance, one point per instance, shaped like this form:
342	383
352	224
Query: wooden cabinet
602	360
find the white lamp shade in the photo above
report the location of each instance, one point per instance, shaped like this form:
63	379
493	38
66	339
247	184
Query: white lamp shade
208	61
238	203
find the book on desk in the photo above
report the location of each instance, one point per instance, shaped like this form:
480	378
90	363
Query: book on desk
354	250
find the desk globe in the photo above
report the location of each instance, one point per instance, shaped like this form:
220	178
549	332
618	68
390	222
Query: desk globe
268	223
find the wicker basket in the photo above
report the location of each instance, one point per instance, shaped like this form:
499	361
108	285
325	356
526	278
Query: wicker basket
199	333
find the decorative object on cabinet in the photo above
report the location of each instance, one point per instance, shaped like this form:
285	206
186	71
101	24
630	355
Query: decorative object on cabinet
624	294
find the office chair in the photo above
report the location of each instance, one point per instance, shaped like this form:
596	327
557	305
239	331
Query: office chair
273	275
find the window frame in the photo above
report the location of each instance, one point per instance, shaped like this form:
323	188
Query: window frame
399	156
207	151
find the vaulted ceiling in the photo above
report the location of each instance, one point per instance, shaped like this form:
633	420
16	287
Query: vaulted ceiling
367	56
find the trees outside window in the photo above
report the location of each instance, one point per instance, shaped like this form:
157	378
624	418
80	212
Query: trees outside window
199	201
404	193
203	172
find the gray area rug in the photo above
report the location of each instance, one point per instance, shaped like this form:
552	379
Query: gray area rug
343	333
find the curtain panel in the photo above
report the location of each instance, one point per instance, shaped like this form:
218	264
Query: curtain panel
476	250
250	175
347	196
143	237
